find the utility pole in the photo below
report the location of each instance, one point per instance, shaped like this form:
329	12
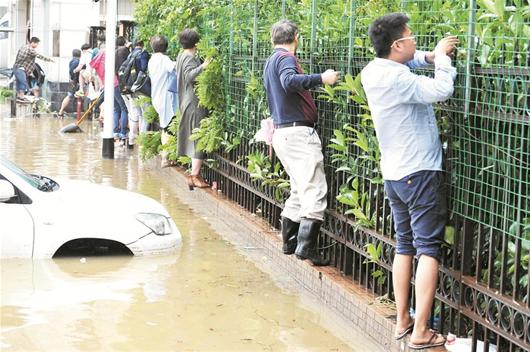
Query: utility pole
110	53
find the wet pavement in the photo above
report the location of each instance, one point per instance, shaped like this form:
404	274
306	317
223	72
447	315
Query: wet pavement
207	296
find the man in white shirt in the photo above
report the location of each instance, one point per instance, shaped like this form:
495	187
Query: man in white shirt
411	161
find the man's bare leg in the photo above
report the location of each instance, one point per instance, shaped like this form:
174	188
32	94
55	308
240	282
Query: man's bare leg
426	283
81	91
64	104
402	269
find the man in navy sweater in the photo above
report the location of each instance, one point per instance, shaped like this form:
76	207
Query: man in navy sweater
296	142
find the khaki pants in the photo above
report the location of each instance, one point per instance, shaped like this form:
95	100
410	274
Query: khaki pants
300	151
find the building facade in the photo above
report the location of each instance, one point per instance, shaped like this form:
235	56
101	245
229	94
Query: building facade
61	25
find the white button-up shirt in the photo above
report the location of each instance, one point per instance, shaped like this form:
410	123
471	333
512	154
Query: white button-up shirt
401	106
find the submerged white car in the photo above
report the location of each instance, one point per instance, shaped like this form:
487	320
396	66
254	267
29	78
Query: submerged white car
42	218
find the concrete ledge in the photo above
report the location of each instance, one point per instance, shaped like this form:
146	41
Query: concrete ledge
352	302
24	110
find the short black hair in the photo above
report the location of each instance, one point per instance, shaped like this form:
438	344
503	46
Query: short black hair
34	40
384	30
283	32
159	43
85	46
139	43
120	41
76	53
188	38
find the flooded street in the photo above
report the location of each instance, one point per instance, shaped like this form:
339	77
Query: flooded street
206	296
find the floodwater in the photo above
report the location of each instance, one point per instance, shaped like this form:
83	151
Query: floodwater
206	296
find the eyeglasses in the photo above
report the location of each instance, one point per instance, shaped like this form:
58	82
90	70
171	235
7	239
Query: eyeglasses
404	38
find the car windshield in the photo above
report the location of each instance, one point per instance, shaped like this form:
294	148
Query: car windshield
41	183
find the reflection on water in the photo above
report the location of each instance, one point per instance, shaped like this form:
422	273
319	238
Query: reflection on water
206	297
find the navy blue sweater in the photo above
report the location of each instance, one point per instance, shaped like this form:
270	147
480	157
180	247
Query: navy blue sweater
288	87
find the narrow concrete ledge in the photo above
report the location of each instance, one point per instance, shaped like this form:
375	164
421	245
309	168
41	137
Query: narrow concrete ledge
354	303
24	110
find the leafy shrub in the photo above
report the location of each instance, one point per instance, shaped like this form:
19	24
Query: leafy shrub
4	94
150	143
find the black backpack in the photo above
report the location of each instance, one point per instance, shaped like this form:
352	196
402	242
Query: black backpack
127	73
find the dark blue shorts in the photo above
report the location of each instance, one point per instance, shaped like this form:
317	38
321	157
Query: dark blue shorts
419	207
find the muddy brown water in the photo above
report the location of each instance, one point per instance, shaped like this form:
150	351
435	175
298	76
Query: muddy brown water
207	296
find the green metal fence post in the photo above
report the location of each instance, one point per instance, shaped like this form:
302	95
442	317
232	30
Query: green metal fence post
402	5
467	237
283	9
313	33
255	36
230	55
351	39
470	55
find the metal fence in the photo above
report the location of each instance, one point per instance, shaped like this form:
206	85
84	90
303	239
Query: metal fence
485	129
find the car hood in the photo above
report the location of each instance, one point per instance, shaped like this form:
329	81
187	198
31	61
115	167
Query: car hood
81	209
95	198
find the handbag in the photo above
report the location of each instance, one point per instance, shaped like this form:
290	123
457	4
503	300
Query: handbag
142	84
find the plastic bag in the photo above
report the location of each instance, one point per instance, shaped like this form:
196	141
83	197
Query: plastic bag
265	132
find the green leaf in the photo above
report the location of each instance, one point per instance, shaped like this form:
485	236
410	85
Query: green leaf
488	4
349	80
449	235
347	199
378	180
499	8
359	87
373	252
348	127
340	148
339	135
357	99
285	184
359	214
343	168
377	273
362	142
484	53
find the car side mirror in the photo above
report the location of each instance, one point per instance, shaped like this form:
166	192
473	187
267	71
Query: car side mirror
7	191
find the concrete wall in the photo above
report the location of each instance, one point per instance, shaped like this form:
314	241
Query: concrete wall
125	10
15	17
70	20
5	21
